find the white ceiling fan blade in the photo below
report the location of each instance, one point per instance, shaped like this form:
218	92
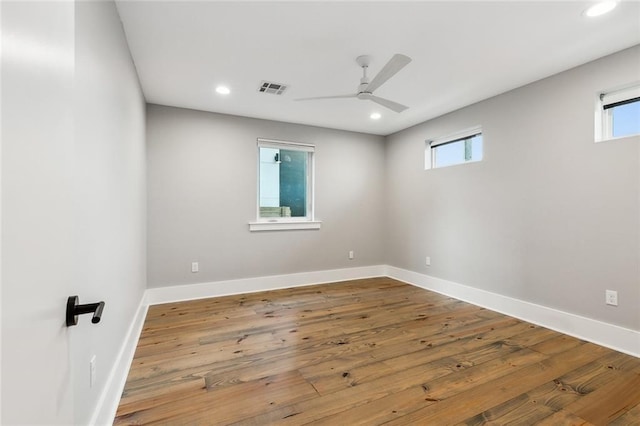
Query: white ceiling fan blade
326	97
395	64
394	106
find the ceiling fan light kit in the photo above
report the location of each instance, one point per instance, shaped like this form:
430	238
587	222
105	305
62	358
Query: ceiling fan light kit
366	87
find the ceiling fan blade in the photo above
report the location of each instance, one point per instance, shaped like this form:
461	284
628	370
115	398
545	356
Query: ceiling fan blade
326	97
394	106
395	64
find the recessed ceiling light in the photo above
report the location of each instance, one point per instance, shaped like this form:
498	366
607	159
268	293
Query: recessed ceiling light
223	90
601	8
375	116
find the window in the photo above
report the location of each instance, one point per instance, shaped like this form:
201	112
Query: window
459	148
285	186
618	113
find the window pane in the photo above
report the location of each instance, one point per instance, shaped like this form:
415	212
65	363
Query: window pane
476	143
626	119
457	152
449	154
293	182
269	178
283	183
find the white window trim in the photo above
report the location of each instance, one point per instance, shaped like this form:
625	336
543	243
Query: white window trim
603	118
452	137
287	223
277	144
283	226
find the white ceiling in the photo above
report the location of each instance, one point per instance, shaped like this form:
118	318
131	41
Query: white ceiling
462	52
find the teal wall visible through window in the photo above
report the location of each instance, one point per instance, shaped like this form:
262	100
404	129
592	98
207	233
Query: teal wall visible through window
283	182
293	181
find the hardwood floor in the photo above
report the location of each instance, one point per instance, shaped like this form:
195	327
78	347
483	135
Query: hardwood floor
372	351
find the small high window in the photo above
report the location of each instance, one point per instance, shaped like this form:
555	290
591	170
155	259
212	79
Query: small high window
285	186
619	113
459	148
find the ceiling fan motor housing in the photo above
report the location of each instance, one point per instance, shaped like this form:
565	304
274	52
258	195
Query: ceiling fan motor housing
363	60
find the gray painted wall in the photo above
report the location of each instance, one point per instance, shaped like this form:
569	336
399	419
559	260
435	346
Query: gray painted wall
202	193
110	190
73	204
548	216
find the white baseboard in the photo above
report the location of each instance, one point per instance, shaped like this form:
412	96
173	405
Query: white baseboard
107	405
612	336
179	293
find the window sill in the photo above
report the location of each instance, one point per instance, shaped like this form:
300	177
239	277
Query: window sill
283	226
618	138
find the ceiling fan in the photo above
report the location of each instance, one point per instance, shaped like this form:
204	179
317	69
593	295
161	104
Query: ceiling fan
366	87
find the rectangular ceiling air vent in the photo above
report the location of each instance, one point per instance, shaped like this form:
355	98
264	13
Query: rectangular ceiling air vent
273	88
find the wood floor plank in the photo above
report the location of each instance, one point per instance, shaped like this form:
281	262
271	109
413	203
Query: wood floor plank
554	396
565	418
229	403
367	352
157	396
631	417
389	407
405	382
480	398
609	402
314	352
415	345
516	411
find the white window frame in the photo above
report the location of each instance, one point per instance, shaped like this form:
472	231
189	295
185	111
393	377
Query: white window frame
430	144
604	116
287	223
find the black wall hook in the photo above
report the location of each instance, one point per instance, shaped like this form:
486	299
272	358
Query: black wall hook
74	309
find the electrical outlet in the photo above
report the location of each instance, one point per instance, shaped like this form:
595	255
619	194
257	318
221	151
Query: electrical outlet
427	261
92	371
611	297
351	255
195	267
